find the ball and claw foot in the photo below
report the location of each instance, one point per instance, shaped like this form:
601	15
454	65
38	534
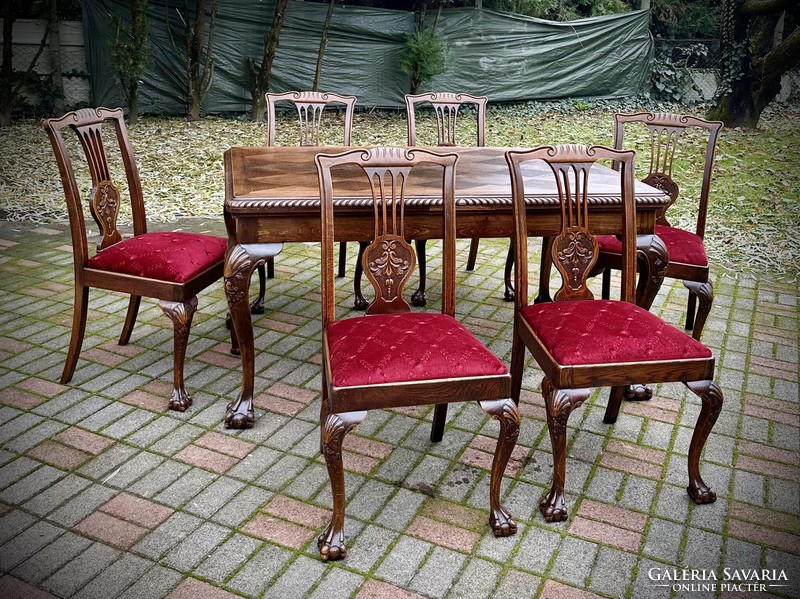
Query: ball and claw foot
239	420
502	523
331	545
638	393
180	400
257	307
360	303
553	507
701	494
509	295
418	298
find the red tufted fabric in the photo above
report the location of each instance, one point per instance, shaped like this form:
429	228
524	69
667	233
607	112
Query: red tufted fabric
176	257
683	247
413	346
580	333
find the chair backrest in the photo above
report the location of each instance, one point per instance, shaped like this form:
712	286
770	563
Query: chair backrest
104	198
446	106
664	131
389	259
310	106
575	249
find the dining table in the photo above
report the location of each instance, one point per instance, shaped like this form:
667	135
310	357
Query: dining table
272	197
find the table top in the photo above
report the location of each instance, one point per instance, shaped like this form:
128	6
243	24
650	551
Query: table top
271	179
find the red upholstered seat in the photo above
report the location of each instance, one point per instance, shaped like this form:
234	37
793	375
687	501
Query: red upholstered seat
175	257
395	348
684	247
580	333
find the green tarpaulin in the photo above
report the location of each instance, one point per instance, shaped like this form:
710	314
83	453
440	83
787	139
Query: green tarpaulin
503	56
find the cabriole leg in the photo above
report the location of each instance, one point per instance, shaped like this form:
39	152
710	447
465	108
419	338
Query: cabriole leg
181	317
712	399
506	412
559	404
704	292
336	426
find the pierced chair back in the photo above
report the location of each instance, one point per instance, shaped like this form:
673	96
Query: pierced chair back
575	250
388	260
664	133
104	197
310	107
446	106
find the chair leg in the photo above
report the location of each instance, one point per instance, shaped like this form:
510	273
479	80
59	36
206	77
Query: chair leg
508	273
712	399
703	293
271	268
507	413
606	289
544	271
559	404
439	419
473	252
336	426
359	303
517	366
614	403
130	319
342	259
257	305
181	316
80	310
418	297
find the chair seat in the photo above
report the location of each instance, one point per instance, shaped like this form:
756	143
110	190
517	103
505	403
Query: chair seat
408	347
174	257
684	247
589	332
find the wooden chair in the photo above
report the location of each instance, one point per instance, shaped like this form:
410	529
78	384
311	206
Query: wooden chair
170	267
687	254
310	107
580	342
392	357
446	107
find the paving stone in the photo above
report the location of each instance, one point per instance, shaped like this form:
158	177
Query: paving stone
515	584
368	547
81	505
297	580
260	570
574	561
612	572
194	589
663	540
116	578
176	528
52	557
241	507
227	558
337	583
191	550
76	573
215	497
27	543
159	478
438	573
13	471
477	581
186	487
400	509
13	588
108	462
537	549
110	530
403	561
14	522
35	435
156	583
33	483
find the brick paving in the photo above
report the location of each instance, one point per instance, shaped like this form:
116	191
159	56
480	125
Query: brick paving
104	493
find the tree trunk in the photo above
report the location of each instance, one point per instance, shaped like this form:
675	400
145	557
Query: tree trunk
54	40
260	79
323	42
196	34
6	71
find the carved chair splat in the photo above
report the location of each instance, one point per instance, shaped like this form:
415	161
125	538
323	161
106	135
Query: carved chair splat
393	357
581	342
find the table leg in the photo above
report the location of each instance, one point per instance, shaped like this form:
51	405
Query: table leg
240	262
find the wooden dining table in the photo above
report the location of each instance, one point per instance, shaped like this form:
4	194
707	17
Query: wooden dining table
272	196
